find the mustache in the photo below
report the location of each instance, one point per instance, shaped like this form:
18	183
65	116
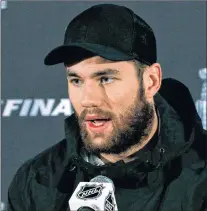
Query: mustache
95	111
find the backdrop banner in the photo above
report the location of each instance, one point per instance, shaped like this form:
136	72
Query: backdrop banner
34	99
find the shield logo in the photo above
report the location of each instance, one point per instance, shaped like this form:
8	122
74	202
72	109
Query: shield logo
90	191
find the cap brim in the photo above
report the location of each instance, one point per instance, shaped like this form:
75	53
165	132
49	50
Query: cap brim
71	53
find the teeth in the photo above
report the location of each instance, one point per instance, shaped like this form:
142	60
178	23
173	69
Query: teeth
98	123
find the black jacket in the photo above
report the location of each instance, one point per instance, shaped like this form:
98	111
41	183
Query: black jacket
170	177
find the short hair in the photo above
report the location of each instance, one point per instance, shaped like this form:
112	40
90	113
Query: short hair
140	68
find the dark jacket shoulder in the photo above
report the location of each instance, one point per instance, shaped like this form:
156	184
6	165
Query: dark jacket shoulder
34	177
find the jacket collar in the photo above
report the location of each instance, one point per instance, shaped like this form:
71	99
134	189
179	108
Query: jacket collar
171	138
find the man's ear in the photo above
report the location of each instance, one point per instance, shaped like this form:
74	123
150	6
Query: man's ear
152	80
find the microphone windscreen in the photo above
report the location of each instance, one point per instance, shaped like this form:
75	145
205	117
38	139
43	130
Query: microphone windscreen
103	179
85	209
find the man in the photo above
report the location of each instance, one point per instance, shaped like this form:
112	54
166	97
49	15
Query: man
128	124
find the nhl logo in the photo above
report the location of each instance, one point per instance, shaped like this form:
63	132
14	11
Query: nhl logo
109	203
90	191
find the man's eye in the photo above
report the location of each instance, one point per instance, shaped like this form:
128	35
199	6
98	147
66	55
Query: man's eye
75	81
106	80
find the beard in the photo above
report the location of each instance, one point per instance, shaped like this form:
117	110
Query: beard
129	127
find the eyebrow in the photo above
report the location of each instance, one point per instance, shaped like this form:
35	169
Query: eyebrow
104	72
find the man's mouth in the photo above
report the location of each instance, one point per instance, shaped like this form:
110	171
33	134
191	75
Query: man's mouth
97	124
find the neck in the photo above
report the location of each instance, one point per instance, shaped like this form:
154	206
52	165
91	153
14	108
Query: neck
125	156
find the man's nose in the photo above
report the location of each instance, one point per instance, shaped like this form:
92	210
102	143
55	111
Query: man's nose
91	96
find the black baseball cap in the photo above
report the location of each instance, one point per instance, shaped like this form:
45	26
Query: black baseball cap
111	31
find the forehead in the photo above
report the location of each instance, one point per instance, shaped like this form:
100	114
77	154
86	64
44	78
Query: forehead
91	60
100	61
